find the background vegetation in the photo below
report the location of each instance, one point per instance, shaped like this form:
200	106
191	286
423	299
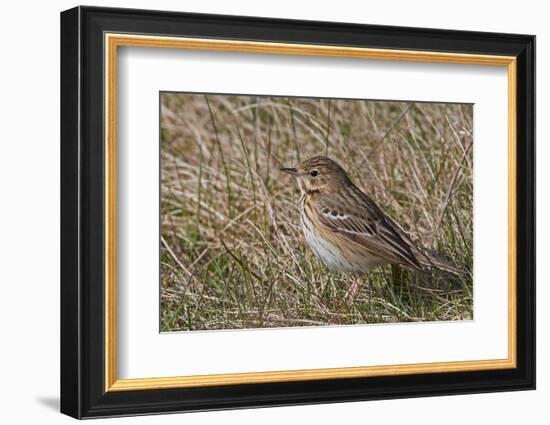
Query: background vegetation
232	250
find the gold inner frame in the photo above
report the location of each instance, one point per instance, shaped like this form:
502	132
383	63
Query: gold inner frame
113	41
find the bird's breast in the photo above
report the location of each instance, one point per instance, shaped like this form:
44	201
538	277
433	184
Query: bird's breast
332	249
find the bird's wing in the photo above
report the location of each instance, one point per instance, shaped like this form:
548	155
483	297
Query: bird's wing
355	216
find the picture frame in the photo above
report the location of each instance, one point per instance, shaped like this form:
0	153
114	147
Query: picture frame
90	40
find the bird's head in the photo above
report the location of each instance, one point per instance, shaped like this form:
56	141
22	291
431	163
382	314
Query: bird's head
319	173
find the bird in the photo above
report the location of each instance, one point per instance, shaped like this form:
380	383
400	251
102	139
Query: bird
347	230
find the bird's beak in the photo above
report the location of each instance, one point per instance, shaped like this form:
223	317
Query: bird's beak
291	171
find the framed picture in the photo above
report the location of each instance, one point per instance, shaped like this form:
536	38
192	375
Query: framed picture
261	212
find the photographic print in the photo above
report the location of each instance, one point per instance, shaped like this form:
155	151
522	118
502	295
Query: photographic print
311	211
287	211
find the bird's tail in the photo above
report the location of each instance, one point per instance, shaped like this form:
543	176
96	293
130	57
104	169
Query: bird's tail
431	260
424	256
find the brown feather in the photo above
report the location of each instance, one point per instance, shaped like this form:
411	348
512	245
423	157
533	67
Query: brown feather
355	216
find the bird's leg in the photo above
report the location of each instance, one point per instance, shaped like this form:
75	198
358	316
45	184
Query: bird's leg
352	291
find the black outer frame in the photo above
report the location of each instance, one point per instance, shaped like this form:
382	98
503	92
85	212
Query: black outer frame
82	217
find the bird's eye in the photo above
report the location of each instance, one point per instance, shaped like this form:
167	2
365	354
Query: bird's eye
314	173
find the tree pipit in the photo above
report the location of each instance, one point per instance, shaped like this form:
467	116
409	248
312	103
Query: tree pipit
347	230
